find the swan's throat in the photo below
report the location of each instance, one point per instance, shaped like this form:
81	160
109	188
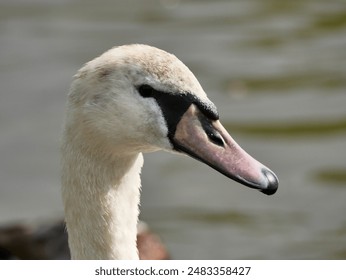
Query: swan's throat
101	206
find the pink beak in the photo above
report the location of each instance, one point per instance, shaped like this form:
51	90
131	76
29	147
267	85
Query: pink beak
209	142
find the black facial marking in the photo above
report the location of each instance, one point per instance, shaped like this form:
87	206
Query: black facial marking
174	105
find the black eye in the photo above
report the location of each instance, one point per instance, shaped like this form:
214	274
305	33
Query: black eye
146	91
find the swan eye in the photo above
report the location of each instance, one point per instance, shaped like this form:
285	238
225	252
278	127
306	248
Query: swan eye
146	91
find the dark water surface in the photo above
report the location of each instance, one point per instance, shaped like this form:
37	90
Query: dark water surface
275	69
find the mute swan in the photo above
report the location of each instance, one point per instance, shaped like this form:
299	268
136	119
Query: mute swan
134	99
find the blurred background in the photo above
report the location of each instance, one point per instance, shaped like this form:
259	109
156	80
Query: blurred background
276	71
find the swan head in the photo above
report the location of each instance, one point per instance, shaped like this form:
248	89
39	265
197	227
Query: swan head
137	98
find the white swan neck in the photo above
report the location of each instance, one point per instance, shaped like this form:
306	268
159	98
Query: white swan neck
101	206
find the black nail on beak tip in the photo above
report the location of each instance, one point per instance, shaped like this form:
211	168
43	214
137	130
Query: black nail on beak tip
273	183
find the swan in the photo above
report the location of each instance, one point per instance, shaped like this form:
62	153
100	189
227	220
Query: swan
135	99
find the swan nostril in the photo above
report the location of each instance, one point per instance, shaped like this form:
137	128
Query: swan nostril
216	138
273	182
213	135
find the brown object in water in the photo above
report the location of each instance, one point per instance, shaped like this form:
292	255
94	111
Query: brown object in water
49	242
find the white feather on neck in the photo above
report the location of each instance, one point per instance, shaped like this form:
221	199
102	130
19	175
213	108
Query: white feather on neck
102	222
